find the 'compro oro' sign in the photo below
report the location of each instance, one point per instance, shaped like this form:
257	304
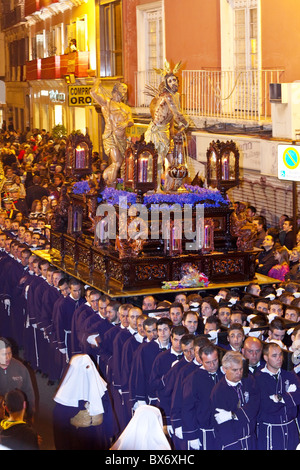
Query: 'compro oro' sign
79	95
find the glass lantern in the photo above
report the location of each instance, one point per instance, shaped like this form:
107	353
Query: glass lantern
173	242
222	165
81	156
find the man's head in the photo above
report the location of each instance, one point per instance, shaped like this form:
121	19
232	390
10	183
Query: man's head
133	315
232	363
140	324
292	313
209	306
273	356
236	336
259	223
94	296
252	350
5	353
25	256
124	313
112	311
164	327
277	329
224	312
268	242
104	300
209	358
63	286
171	82
119	91
149	303
75	289
15	401
176	313
287	225
150	327
187	346
177	333
43	266
2	240
190	321
253	289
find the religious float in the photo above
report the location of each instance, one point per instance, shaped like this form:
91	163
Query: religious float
137	236
154	228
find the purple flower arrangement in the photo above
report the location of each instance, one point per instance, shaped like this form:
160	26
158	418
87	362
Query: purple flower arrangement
193	195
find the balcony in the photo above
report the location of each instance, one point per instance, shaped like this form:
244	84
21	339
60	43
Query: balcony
58	66
12	17
234	96
239	96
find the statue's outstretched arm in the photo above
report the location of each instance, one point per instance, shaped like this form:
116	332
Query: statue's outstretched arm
98	93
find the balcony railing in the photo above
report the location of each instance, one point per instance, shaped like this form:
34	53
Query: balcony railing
229	95
58	66
224	95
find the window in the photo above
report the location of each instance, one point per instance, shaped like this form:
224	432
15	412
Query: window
77	30
111	39
40	45
154	40
245	37
150	47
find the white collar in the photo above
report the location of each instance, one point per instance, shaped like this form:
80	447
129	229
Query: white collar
232	384
265	369
131	330
139	338
175	353
160	345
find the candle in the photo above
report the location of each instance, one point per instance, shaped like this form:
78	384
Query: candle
176	244
75	221
130	168
225	168
80	157
143	169
207	236
102	234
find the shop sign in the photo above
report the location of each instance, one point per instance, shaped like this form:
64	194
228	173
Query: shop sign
56	96
79	95
289	162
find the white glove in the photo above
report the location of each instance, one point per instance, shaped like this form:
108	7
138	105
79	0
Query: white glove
34	325
270	296
26	292
137	404
63	351
213	334
250	316
222	416
271	317
178	433
7	303
296	357
194	444
218	298
170	430
279	291
246	330
275	399
92	340
254	334
291	388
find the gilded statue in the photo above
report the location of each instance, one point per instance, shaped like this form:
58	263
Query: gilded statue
165	115
117	116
